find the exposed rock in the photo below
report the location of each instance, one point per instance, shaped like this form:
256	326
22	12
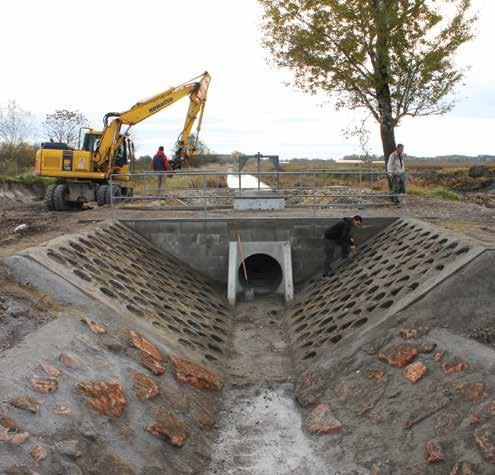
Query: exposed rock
413	333
70	361
454	367
169	428
44	385
39	453
112	343
8	423
107	398
376	374
398	355
13	437
462	469
155	366
438	356
321	421
191	373
51	370
62	411
434	452
69	448
144	387
485	439
144	345
97	328
415	371
426	347
27	403
474	392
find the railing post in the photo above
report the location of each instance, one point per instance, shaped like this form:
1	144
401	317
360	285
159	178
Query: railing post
204	195
314	194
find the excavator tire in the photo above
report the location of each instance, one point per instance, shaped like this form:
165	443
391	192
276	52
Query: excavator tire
102	195
49	201
60	203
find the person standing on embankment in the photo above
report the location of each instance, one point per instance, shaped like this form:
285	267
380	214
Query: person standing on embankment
396	171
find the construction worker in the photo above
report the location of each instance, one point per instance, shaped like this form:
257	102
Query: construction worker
339	242
160	164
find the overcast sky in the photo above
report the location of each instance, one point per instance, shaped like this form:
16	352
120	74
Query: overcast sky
105	56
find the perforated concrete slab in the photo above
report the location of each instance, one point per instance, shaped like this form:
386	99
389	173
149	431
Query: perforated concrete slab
390	273
118	268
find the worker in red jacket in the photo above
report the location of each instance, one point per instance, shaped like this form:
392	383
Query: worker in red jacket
160	164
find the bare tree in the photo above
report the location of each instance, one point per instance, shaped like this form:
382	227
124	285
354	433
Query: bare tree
16	125
63	126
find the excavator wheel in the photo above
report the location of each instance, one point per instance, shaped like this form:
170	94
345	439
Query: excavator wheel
49	201
59	197
101	195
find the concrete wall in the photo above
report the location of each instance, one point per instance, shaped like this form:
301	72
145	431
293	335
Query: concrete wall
204	244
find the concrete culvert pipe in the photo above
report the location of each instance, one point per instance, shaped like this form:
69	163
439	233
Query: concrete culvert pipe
264	274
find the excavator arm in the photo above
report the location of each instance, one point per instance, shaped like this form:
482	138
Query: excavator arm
111	138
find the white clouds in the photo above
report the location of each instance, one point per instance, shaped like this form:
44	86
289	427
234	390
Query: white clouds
105	56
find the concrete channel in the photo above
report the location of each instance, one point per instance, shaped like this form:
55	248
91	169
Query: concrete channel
159	361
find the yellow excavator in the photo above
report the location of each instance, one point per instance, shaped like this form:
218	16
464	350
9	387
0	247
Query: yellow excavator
83	174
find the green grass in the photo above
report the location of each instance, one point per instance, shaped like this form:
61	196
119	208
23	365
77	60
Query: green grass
438	192
27	180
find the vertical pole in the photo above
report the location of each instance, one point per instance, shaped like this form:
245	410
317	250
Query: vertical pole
259	170
144	186
240	187
314	194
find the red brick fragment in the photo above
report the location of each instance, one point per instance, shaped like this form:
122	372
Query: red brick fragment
97	328
462	469
70	361
144	345
454	367
51	370
415	371
39	453
169	428
13	437
485	439
107	398
44	385
27	403
321	421
474	392
376	374
398	355
434	452
191	373
155	366
144	387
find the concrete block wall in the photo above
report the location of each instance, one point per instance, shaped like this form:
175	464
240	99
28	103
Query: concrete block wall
204	244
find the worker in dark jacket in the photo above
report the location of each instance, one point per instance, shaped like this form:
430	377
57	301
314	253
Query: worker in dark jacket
160	164
339	242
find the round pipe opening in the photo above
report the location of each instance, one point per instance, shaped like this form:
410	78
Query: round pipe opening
264	274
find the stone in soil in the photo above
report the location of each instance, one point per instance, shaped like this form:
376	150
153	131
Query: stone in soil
108	398
434	452
485	440
13	437
398	355
462	469
70	361
144	345
474	392
144	387
69	447
62	411
39	453
322	421
195	375
169	428
44	385
27	403
376	374
97	328
51	370
454	367
155	366
415	371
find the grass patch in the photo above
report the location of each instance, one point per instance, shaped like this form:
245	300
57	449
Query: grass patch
438	192
27	180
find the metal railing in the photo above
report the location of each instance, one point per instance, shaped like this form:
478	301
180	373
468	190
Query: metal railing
206	190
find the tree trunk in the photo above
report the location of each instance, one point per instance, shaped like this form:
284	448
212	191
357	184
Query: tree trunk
388	141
